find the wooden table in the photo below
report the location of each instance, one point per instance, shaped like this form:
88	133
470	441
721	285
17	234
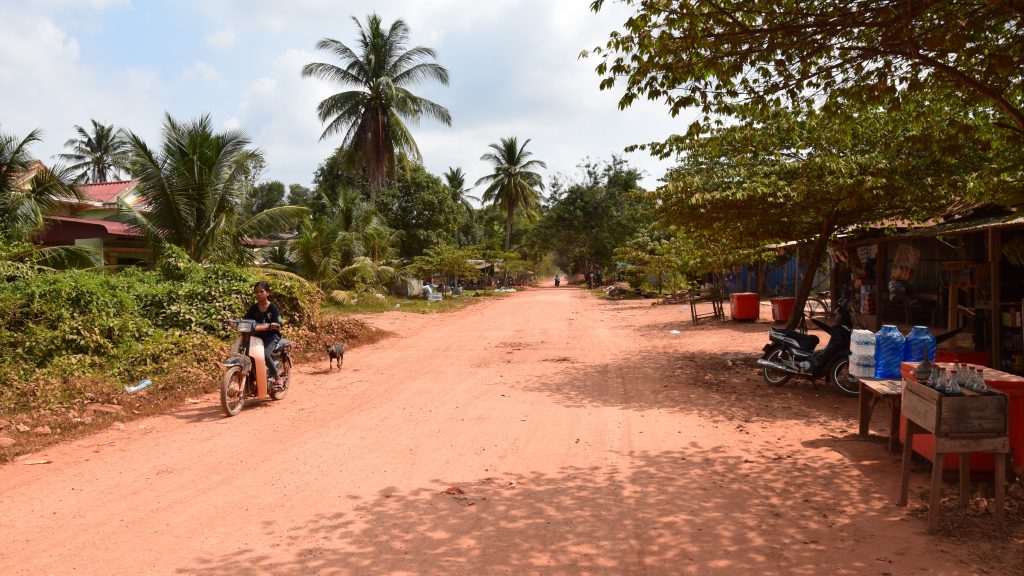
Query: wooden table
871	391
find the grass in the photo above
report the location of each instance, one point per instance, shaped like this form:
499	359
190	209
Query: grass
372	304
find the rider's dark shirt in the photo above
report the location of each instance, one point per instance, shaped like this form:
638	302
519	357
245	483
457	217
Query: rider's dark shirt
272	314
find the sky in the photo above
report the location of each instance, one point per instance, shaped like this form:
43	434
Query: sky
514	71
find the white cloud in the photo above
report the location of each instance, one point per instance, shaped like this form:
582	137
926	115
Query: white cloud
203	71
225	38
514	71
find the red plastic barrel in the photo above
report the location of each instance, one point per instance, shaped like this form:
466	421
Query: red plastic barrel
781	307
745	305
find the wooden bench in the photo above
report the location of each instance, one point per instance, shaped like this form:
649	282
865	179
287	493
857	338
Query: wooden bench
871	391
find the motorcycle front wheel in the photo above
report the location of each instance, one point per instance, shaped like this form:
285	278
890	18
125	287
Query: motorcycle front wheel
232	391
774	377
839	375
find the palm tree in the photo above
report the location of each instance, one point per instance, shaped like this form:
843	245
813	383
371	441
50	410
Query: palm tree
514	185
191	192
97	157
343	242
28	192
371	115
455	178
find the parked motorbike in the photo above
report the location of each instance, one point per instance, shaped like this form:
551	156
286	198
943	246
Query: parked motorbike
245	371
790	353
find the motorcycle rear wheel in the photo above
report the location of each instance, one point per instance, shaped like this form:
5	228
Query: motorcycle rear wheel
232	391
839	375
774	377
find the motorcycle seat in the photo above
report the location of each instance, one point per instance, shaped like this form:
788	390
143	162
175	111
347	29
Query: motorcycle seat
806	341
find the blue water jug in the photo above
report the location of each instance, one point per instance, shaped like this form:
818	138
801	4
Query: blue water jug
888	352
917	342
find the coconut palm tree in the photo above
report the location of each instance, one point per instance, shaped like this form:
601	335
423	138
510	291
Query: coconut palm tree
338	246
371	114
514	185
99	156
28	192
191	191
455	178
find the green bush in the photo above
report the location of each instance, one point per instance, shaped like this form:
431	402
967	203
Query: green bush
62	328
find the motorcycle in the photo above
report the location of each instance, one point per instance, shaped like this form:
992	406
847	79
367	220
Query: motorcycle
557	281
245	371
790	353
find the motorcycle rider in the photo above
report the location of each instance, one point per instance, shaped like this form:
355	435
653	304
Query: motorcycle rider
266	312
556	280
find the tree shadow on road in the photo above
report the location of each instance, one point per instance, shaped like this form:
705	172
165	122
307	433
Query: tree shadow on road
690	511
718	386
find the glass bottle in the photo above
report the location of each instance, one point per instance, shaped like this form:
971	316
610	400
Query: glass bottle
953	383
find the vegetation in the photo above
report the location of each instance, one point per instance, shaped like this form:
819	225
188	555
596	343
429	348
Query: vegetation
451	264
74	326
586	221
805	174
371	116
97	156
734	57
514	185
191	191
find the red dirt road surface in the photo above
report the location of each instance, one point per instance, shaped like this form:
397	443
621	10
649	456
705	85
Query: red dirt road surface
550	432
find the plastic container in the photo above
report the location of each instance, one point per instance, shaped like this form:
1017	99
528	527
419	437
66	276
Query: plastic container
782	308
888	352
745	305
919	338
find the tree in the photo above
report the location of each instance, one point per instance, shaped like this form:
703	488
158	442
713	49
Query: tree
371	116
586	221
29	191
422	207
802	174
299	195
513	186
264	196
345	233
191	192
98	156
455	179
447	261
730	56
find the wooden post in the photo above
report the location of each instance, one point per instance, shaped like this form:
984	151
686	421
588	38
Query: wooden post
995	251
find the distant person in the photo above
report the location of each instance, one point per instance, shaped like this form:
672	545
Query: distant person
557	281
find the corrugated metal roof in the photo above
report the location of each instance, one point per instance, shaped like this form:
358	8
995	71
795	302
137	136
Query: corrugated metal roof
111	227
106	192
967	225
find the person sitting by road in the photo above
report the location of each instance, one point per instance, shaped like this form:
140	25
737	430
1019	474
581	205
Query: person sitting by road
266	312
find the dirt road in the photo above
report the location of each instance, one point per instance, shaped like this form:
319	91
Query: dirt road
546	433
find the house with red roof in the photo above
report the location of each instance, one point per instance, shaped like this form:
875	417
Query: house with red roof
90	221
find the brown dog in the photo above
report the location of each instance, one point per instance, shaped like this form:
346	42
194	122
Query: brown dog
335	352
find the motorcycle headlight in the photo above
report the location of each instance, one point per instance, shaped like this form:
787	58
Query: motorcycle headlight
244	327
